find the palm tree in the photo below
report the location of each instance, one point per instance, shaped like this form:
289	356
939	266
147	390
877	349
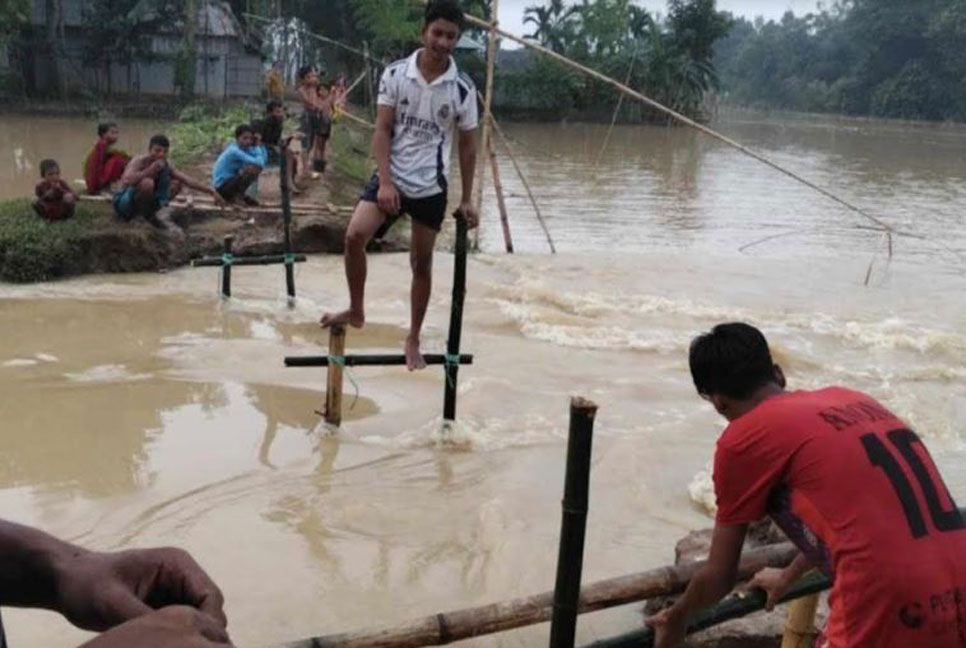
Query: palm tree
550	23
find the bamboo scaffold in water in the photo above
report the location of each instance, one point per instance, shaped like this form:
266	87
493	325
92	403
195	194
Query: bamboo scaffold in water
880	224
449	627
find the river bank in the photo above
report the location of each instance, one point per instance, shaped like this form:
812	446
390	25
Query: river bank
96	241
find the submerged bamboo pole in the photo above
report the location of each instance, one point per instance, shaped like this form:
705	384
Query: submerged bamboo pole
573	526
333	377
500	200
445	628
526	185
226	261
681	118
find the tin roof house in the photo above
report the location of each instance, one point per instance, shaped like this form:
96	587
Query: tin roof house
145	61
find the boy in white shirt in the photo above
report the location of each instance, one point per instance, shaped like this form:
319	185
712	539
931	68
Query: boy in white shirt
423	99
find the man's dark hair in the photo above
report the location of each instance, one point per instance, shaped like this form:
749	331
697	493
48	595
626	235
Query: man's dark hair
47	165
103	128
159	140
258	127
241	129
732	360
272	105
444	10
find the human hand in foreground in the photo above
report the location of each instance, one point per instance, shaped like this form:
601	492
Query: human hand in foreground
468	211
173	627
669	628
97	591
775	583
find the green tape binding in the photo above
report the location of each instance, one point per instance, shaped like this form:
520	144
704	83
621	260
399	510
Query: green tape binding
227	259
340	360
289	259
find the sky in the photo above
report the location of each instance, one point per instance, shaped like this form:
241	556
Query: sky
511	11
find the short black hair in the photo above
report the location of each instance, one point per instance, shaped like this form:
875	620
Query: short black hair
103	128
160	140
241	129
732	360
306	70
258	127
272	105
444	10
47	165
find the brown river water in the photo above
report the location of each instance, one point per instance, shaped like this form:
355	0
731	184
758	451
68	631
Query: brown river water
142	410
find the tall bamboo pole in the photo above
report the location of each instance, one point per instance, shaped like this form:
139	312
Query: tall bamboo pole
287	223
455	321
449	627
487	103
333	378
226	261
500	200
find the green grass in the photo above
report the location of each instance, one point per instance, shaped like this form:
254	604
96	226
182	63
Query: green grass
32	249
202	129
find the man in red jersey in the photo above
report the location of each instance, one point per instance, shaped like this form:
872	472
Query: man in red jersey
851	485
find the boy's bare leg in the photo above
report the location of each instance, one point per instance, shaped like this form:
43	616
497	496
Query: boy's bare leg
365	221
421	262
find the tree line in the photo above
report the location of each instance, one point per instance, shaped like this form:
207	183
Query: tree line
884	58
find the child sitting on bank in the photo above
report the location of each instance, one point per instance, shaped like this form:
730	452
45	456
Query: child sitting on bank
55	199
104	164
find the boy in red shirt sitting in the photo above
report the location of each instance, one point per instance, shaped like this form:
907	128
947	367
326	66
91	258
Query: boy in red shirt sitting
850	484
55	199
104	165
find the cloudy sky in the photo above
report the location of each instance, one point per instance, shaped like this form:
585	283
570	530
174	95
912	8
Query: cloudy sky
511	11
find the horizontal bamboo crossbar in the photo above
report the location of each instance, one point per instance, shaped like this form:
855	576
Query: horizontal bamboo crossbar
390	360
270	259
448	627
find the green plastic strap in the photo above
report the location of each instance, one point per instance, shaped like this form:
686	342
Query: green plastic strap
451	360
289	259
340	360
227	259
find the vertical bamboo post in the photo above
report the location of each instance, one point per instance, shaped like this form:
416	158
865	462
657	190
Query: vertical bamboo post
570	560
500	201
226	259
487	103
455	320
800	627
287	223
333	386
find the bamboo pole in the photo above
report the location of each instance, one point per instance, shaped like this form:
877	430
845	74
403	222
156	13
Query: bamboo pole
800	627
370	104
500	200
445	628
617	110
226	267
526	185
333	383
573	526
371	360
487	103
455	320
681	118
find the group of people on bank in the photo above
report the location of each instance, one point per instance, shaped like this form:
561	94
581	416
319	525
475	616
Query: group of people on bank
848	481
142	185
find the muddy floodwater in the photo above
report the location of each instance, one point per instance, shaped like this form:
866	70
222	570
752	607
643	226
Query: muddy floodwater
142	410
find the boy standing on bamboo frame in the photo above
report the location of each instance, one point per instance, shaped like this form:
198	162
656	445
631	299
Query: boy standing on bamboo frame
848	482
424	101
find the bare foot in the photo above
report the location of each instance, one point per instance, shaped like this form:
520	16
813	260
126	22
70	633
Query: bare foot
414	359
350	317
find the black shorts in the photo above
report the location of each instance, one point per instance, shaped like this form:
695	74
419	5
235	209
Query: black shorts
429	211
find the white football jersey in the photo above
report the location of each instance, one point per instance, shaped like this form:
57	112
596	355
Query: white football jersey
427	115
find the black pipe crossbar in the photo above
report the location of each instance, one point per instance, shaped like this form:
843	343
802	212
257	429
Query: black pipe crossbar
271	259
733	607
371	360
